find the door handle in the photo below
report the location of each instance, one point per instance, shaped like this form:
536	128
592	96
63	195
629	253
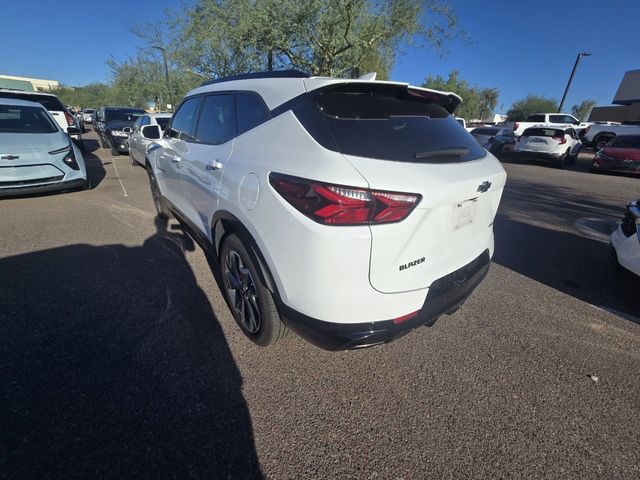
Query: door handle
214	165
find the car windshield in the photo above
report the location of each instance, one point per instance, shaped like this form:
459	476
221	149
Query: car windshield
542	132
163	122
387	123
626	141
121	115
485	131
23	119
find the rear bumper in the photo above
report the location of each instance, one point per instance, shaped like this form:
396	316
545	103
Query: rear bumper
445	295
538	155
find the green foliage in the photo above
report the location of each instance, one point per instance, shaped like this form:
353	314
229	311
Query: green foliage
477	103
524	107
582	111
89	96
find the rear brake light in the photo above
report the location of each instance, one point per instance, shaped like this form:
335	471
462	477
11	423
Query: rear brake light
342	205
560	138
69	119
515	126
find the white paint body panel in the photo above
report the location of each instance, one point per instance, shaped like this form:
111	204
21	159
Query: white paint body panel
628	250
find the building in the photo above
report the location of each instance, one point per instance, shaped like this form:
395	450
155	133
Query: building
29	84
626	102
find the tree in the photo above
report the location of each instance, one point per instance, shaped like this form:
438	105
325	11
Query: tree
92	95
477	103
322	37
582	111
524	107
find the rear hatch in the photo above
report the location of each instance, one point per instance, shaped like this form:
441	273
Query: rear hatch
541	140
403	139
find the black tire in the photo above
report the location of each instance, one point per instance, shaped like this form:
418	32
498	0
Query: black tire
250	301
158	200
114	152
564	159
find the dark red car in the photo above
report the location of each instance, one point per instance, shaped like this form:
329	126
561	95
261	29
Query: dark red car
622	154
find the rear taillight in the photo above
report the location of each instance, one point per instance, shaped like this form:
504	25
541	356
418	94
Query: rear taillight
515	126
560	138
341	205
69	118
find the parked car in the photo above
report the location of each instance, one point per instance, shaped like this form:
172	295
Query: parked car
597	136
35	154
495	139
621	154
336	208
55	107
78	117
562	120
559	145
87	114
625	240
110	125
140	137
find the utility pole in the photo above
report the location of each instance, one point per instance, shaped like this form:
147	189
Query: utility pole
573	72
166	73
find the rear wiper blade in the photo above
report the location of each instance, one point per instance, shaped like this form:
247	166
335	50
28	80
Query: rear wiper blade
457	152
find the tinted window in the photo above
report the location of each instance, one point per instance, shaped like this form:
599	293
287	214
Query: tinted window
542	132
49	102
184	121
163	122
122	115
388	123
535	118
217	122
505	132
250	111
21	119
561	119
626	141
484	131
145	121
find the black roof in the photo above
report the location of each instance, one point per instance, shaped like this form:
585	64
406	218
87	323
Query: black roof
249	76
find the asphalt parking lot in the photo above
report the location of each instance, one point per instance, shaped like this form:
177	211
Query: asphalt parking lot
121	360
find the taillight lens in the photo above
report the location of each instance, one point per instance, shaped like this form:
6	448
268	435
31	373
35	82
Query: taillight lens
342	205
560	138
69	118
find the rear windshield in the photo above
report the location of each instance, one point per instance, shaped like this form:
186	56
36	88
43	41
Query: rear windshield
626	141
21	119
50	102
542	132
163	122
122	115
386	123
485	131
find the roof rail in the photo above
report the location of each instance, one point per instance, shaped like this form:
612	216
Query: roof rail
249	76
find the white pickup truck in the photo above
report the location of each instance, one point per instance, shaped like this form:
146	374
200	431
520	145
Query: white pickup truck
547	120
597	135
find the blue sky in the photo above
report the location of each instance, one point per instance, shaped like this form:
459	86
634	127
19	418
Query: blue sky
520	47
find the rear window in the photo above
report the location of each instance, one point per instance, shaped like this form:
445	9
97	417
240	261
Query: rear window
22	119
626	142
163	122
485	131
89	110
387	123
122	115
535	118
542	132
50	102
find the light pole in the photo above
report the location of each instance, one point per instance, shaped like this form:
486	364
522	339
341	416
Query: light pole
566	90
166	72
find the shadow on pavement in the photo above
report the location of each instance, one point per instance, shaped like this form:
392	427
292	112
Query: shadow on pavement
536	236
115	366
95	168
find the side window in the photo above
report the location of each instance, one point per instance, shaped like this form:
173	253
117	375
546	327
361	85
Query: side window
569	119
183	125
217	122
251	112
535	118
137	124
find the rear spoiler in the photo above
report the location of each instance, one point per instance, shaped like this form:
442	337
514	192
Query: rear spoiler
447	100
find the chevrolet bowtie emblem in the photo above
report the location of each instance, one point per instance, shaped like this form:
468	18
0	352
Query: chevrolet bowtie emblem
484	186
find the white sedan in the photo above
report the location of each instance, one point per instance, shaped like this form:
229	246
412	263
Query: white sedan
626	239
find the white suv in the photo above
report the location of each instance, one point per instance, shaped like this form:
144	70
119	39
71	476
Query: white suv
349	211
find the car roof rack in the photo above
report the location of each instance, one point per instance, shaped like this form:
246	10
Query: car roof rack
255	75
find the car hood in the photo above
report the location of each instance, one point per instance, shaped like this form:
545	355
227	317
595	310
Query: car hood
22	143
622	153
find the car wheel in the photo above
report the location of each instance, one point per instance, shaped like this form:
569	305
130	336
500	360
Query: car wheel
114	152
564	159
158	200
250	301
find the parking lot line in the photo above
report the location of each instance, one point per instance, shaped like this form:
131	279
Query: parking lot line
113	162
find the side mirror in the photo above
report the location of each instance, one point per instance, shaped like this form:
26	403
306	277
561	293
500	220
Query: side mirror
73	131
127	130
151	132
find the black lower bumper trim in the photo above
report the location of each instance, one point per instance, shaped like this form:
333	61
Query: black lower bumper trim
445	295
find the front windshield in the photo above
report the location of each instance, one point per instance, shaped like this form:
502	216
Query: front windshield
122	115
23	119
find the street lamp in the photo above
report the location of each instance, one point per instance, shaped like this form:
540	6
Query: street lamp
166	71
566	90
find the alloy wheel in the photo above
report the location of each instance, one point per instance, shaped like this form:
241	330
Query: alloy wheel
242	292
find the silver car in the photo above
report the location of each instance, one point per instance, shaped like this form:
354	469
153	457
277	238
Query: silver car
35	154
146	129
